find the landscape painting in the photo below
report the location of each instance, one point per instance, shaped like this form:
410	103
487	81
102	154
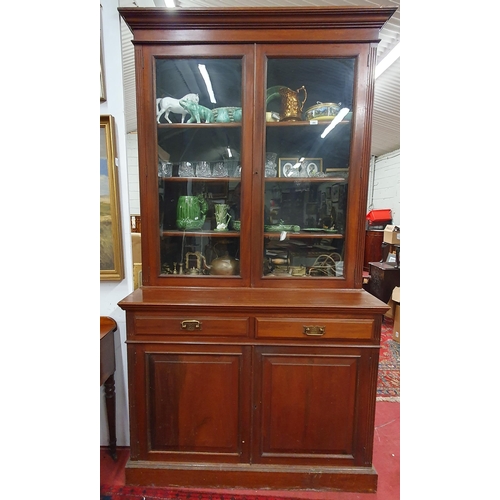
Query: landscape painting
110	228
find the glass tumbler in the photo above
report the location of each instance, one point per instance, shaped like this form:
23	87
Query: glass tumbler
220	169
165	169
203	169
186	169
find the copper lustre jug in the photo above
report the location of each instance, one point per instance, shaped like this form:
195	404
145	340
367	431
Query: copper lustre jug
291	105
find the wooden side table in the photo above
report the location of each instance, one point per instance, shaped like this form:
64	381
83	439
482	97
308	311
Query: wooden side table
383	278
108	366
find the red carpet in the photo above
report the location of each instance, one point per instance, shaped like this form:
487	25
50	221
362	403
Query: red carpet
388	387
150	493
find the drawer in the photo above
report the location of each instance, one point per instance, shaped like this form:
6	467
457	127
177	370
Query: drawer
314	328
162	324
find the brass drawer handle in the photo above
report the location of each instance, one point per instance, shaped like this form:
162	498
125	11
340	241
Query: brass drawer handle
314	330
190	325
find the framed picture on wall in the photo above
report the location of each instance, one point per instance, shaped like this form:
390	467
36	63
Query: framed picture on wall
111	235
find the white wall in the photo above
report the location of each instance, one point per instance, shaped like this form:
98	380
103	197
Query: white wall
133	173
384	184
112	292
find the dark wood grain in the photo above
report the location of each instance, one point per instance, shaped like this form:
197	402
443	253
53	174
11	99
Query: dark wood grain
253	381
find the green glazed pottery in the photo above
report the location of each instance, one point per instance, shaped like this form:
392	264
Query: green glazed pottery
191	212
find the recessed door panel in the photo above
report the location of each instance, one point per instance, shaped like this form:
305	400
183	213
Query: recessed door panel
195	404
309	405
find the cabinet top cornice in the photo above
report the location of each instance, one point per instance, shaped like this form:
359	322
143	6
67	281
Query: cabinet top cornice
265	18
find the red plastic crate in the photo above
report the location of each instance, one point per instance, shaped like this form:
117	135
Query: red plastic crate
380	215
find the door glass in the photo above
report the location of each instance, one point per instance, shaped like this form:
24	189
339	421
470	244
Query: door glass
308	136
199	117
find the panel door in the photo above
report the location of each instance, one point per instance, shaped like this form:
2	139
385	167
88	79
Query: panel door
195	404
314	406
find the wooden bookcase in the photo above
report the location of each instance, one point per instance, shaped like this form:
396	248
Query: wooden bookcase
252	348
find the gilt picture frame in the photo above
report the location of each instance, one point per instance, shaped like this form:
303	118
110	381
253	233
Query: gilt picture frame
111	256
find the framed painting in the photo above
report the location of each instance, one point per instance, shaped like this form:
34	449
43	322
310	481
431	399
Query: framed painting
111	235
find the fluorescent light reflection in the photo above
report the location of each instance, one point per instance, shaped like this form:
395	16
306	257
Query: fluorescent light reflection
341	114
299	163
165	3
387	60
208	82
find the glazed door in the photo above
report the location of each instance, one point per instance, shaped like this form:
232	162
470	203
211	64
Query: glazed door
198	159
309	190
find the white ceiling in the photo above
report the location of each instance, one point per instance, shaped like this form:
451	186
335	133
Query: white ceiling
385	133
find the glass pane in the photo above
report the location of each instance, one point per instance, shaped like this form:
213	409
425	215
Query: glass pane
199	147
308	137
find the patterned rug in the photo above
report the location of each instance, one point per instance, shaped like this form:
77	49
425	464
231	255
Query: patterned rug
155	493
388	388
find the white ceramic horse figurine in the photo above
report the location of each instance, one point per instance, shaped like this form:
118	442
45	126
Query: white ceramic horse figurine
169	105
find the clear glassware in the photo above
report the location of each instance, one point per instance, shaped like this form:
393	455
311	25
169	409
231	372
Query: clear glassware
186	169
220	169
271	169
165	168
203	169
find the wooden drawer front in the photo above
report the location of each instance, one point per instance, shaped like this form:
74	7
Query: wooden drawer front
189	325
314	328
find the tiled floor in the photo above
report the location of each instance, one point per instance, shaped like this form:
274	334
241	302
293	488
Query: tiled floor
385	459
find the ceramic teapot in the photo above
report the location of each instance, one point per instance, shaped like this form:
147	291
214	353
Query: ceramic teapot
191	212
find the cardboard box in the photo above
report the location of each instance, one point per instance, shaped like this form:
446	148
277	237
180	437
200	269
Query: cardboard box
396	332
392	305
396	311
392	235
